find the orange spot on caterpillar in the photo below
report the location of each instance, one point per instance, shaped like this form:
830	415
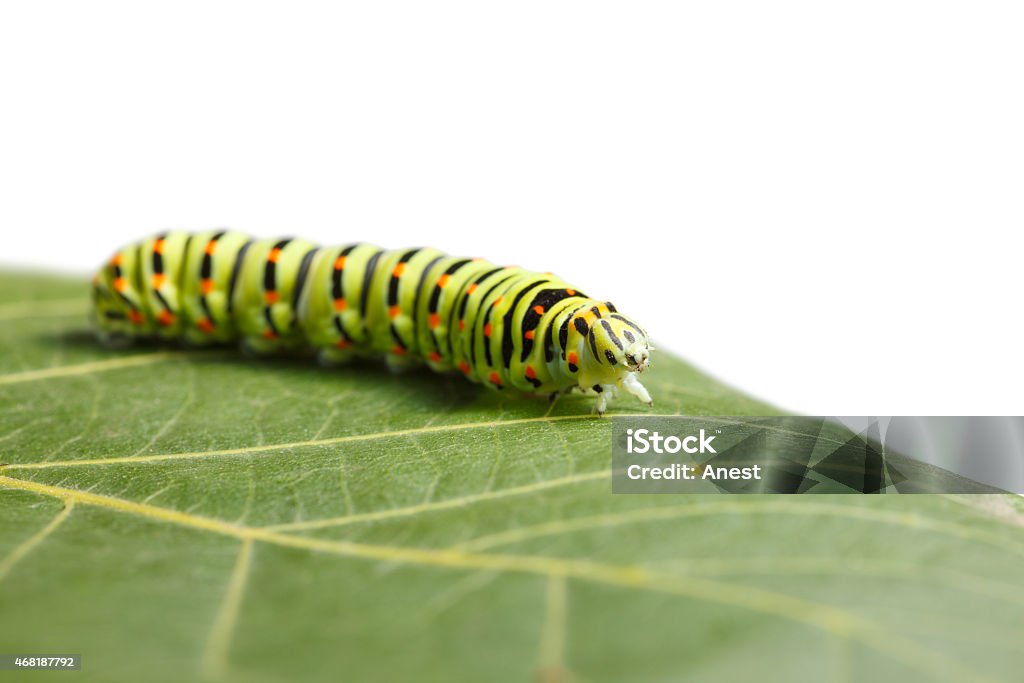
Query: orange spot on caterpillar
571	292
471	288
340	305
116	259
434	356
394	311
495	380
530	373
498	300
573	358
211	247
462	325
528	334
487	330
120	284
158	280
269	334
339	263
343	344
464	366
135	317
399	269
274	255
158	246
434	320
398	350
206	286
205	324
166	318
270	297
443	280
539	310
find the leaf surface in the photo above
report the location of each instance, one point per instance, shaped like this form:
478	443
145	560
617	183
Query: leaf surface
174	515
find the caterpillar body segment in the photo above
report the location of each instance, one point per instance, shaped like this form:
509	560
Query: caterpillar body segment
504	327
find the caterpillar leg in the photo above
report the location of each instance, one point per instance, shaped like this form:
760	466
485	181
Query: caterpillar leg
256	347
398	363
603	392
114	340
334	357
632	386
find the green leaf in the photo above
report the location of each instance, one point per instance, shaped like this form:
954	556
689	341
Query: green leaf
179	515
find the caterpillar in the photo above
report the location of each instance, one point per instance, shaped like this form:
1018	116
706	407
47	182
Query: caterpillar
504	327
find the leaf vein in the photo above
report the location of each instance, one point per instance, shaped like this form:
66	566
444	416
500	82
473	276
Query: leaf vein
820	615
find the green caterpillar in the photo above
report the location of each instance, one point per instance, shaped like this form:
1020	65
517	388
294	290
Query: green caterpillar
504	327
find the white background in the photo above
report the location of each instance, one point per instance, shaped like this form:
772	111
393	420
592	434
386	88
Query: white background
820	203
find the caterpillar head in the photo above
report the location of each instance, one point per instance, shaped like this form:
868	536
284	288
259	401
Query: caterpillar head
620	343
615	350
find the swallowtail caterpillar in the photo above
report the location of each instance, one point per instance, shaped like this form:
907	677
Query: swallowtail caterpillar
504	327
